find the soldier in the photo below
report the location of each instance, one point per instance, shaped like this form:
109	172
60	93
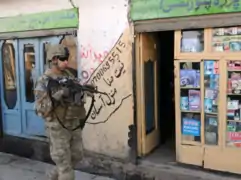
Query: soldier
65	145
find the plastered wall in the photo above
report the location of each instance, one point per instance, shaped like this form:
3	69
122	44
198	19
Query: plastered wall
104	59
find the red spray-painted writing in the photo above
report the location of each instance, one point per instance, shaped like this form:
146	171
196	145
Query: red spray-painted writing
87	52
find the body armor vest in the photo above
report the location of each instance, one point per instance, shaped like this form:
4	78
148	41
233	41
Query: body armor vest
67	111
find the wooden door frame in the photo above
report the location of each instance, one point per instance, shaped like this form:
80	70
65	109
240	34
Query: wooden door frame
138	91
138	81
1	119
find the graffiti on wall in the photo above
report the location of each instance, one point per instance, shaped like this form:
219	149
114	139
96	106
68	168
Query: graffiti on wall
93	59
112	76
88	52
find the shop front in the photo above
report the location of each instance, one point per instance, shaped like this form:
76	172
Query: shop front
22	61
188	63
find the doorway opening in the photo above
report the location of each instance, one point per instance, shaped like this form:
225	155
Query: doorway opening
164	151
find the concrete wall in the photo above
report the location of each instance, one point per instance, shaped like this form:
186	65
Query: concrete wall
101	25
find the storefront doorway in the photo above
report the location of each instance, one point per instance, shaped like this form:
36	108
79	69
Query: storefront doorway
156	58
207	97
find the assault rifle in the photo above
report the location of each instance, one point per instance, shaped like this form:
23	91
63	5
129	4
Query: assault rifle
74	86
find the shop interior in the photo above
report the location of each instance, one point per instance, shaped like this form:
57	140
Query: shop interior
165	151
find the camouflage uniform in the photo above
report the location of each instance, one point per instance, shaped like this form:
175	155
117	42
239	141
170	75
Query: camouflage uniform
65	146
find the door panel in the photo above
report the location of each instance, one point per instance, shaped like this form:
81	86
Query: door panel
148	65
149	84
33	58
224	156
10	91
22	62
189	96
29	72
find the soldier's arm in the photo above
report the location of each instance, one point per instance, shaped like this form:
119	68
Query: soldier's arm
43	103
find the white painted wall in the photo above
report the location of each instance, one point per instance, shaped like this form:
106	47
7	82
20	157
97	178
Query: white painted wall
100	25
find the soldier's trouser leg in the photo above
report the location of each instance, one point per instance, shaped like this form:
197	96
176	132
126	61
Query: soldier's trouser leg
60	152
53	174
76	146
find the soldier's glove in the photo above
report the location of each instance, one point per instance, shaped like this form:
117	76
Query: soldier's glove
64	92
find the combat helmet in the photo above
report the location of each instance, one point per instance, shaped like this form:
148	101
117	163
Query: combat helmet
56	50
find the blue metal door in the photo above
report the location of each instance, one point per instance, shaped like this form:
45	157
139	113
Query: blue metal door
33	64
29	57
22	62
10	87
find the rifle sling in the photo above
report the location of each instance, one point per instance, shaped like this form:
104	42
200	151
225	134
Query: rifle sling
80	120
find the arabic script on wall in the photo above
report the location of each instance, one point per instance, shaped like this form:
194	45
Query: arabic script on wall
194	5
90	60
113	77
